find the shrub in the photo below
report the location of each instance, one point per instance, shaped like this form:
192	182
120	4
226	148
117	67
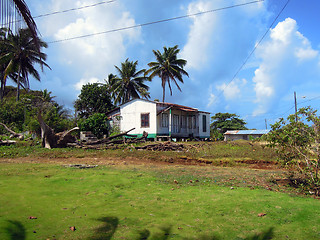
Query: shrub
97	123
297	140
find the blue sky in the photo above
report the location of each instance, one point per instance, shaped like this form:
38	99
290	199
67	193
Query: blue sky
214	44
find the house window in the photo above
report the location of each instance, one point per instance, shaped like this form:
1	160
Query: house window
145	119
204	123
164	120
194	119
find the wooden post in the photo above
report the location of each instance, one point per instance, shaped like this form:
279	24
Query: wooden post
170	123
295	106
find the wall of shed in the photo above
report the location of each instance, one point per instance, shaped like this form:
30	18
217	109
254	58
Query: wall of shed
233	137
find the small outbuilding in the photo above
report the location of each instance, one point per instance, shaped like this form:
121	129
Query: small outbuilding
244	134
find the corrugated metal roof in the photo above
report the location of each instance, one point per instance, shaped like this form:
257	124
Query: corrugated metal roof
164	104
247	132
177	106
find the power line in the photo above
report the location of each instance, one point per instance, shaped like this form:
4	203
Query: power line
74	9
253	50
278	115
156	22
67	10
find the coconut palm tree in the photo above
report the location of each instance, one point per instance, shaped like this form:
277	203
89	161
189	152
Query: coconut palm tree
20	56
168	67
129	84
3	38
15	12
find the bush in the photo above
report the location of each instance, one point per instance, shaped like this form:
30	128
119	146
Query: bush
97	123
298	142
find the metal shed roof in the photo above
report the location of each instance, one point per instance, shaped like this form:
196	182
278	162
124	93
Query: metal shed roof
247	132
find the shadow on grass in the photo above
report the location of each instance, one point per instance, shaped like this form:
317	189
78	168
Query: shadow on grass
15	230
166	234
107	230
163	235
110	224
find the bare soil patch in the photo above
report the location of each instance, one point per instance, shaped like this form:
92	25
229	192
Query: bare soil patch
162	161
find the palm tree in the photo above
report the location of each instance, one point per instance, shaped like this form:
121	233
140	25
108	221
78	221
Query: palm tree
167	67
13	13
3	38
20	55
46	96
129	84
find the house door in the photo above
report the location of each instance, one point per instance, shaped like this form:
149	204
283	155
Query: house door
176	124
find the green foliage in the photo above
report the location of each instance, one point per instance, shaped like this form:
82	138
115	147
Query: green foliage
12	114
19	55
114	130
130	83
168	67
222	122
216	135
299	142
94	98
22	116
97	123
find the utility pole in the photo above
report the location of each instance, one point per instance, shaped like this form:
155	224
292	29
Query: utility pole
295	106
265	120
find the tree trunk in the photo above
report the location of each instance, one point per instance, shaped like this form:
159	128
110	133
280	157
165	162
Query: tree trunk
2	90
49	139
3	85
163	89
18	84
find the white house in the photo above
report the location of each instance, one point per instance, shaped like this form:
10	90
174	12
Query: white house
161	120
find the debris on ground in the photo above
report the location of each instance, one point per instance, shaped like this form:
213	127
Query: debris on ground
80	166
167	146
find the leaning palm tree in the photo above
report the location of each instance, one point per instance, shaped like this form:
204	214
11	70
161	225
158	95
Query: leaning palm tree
16	12
20	56
167	67
129	84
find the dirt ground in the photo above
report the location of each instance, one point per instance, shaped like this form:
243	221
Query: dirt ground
184	161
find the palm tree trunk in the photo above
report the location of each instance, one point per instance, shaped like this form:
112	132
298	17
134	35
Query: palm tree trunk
163	89
3	84
18	84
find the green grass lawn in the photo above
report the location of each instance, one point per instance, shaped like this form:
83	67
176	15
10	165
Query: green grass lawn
132	202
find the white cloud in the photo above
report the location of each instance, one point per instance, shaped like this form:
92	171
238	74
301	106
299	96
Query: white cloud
84	81
212	98
232	90
283	64
200	35
91	57
221	39
306	54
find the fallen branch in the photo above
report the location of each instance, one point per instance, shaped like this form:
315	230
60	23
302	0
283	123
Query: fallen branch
7	142
108	139
13	133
